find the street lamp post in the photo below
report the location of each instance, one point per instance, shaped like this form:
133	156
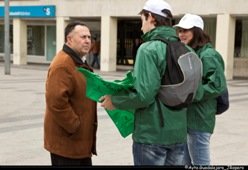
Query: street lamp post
6	38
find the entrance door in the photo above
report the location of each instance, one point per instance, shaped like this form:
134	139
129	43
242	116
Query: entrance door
51	42
128	31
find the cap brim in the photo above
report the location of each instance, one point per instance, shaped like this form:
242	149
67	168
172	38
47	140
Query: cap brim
183	26
140	12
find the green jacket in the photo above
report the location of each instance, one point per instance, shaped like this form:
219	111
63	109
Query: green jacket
201	114
148	70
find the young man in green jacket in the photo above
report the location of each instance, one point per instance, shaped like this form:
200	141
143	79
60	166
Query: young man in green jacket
154	143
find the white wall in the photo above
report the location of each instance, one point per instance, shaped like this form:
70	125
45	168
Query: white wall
85	8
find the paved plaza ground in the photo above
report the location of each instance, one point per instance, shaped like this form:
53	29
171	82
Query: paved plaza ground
22	105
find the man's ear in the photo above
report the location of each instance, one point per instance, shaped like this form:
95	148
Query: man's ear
68	38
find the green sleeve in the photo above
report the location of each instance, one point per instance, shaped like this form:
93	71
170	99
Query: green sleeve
213	80
147	75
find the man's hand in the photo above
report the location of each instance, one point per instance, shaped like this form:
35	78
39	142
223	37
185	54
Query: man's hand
106	102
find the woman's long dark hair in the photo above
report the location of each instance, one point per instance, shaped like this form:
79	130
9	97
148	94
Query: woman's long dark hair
200	38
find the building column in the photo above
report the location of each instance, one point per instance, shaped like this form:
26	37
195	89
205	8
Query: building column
108	43
19	42
225	36
60	35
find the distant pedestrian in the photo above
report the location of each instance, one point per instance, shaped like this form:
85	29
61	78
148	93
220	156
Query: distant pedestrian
70	119
95	51
136	44
201	113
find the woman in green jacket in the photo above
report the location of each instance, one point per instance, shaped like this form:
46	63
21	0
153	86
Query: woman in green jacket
201	113
153	143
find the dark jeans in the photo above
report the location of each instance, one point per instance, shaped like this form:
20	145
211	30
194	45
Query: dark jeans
62	161
95	60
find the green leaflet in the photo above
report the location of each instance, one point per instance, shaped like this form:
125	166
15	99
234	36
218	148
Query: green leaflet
96	87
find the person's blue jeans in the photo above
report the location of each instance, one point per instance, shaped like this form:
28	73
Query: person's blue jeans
197	150
95	60
151	154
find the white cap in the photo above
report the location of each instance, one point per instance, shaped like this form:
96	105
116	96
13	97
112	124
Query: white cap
156	7
189	21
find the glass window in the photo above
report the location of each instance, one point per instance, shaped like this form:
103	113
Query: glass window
244	39
237	43
210	29
2	38
35	40
241	38
50	42
128	30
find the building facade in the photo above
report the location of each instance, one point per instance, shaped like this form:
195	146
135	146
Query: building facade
37	28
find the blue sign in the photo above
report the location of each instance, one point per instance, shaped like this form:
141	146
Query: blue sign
30	11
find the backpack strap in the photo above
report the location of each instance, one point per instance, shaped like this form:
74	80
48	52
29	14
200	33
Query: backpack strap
167	78
172	67
161	118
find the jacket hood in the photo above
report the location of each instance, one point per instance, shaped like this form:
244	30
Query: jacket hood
161	31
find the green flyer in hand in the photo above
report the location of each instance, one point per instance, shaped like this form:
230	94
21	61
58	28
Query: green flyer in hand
97	87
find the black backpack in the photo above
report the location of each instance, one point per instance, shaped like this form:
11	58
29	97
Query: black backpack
182	76
222	102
